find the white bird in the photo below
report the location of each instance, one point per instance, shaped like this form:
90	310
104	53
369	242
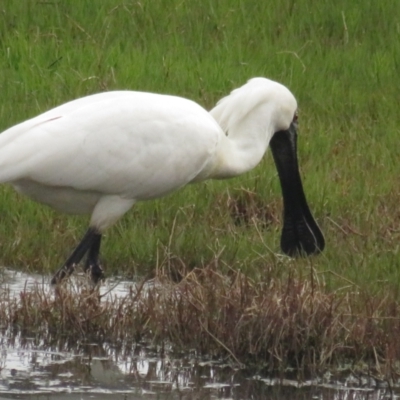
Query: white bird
102	153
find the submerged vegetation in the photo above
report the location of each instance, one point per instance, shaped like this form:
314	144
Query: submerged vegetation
235	294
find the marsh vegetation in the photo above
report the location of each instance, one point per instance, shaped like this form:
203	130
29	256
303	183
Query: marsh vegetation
213	249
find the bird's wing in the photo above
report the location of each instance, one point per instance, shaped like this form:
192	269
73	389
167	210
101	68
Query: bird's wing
135	144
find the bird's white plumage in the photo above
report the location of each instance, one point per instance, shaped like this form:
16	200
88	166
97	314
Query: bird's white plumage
257	92
102	153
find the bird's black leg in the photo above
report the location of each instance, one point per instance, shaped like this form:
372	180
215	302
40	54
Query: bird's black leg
90	238
92	263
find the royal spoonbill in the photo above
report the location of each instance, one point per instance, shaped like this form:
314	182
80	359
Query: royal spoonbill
102	153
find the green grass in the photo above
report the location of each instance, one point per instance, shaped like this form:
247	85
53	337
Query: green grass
341	60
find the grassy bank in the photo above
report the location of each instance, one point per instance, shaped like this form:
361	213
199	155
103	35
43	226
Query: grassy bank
340	59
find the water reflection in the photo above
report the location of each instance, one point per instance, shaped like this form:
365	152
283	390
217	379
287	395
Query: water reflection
14	282
29	368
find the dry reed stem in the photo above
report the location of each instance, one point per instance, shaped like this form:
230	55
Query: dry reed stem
291	323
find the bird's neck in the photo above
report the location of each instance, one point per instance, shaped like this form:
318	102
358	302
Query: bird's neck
242	149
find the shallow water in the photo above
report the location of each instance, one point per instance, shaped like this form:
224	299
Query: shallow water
30	370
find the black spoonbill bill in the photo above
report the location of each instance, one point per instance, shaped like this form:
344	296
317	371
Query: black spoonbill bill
102	153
